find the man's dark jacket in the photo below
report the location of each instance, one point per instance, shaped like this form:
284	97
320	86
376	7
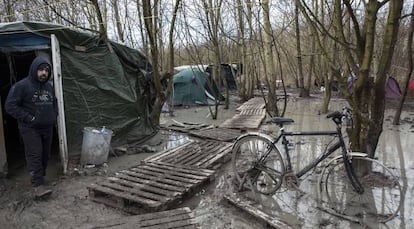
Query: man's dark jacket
31	102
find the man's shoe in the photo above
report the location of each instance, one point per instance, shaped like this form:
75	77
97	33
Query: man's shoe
41	192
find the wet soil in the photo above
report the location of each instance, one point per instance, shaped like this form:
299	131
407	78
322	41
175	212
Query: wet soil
70	207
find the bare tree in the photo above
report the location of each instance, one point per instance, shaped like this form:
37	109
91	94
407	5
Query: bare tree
270	70
9	14
150	14
302	90
118	23
397	115
368	95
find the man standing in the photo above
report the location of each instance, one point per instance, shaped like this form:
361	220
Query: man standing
32	102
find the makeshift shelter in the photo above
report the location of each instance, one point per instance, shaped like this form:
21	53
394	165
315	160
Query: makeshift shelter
411	85
392	89
228	73
96	84
192	86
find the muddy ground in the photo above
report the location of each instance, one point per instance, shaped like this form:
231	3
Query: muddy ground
70	207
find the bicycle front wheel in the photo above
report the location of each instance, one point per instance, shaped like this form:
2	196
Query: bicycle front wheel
257	164
381	196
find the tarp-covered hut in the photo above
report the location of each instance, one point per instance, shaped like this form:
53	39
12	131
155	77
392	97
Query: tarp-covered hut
94	85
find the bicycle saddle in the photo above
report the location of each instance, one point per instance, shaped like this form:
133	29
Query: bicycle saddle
281	120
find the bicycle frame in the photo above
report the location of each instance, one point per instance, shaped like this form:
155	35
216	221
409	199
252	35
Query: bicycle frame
332	148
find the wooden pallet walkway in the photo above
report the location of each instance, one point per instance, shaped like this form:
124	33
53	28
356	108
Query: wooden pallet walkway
149	187
243	122
219	134
248	206
186	127
199	154
253	103
176	218
253	112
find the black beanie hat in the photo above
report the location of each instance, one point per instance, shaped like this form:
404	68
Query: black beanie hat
44	66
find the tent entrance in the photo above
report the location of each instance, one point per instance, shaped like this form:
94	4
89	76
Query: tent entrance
14	67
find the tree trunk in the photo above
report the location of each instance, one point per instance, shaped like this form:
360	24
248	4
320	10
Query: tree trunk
301	80
102	29
241	80
10	13
270	72
378	106
118	24
397	115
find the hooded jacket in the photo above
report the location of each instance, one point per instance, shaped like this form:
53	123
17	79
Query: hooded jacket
31	102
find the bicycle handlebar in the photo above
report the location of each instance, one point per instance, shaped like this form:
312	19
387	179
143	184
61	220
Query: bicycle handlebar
339	117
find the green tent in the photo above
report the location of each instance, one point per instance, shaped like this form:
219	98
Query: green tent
99	86
192	86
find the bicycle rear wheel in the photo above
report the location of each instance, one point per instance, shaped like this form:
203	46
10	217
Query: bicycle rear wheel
257	164
380	200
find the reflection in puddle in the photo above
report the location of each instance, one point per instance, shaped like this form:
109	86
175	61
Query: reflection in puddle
303	210
173	139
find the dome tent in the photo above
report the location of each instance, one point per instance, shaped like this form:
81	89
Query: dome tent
192	86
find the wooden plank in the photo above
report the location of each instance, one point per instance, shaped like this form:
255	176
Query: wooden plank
138	193
182	157
96	191
150	186
175	190
221	134
186	169
176	218
253	103
143	187
57	80
3	153
161	178
168	178
243	122
206	159
166	152
207	152
221	155
171	172
253	112
249	207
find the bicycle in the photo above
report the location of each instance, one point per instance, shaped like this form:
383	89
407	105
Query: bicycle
369	188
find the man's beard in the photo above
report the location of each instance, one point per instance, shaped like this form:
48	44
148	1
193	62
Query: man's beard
42	78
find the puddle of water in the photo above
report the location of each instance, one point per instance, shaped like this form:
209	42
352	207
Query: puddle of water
394	150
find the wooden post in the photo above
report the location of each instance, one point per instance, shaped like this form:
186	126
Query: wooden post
3	153
57	81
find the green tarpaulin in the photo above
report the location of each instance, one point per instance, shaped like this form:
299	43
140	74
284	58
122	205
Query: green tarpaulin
100	88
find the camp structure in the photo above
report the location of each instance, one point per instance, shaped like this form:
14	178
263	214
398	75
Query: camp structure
392	89
192	86
227	73
96	83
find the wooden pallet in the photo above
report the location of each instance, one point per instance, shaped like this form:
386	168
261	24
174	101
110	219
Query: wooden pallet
219	134
176	218
254	103
249	207
186	127
149	187
243	122
253	112
199	154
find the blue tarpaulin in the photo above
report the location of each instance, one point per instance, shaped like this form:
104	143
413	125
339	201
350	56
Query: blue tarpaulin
21	42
